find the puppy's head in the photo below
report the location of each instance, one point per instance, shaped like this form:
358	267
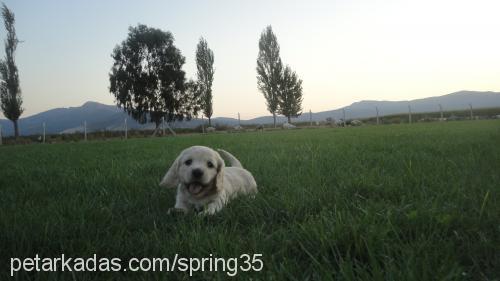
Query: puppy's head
198	169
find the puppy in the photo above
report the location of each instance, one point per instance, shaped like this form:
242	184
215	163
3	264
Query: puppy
204	182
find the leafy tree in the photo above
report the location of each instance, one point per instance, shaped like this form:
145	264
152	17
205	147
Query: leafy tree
192	99
147	79
205	65
269	69
290	94
10	92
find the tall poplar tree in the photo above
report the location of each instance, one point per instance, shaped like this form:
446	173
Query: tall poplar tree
269	70
290	94
205	66
10	92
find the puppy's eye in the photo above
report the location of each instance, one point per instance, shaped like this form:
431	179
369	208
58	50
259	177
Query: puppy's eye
210	164
188	162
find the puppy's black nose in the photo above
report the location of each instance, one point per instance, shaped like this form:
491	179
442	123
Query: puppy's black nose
197	173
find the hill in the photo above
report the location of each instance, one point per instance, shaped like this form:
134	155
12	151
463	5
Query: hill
101	117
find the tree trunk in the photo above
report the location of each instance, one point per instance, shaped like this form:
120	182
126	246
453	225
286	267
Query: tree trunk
209	122
289	122
156	129
274	118
16	129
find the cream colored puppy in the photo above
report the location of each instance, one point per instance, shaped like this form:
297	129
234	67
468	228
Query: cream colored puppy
204	182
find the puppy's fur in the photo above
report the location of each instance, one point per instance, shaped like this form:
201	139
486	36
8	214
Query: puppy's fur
204	182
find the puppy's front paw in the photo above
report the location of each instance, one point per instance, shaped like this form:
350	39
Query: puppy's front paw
176	211
204	213
207	211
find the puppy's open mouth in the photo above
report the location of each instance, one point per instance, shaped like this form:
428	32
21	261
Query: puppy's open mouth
195	188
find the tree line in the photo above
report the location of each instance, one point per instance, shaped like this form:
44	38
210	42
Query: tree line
280	85
148	82
147	79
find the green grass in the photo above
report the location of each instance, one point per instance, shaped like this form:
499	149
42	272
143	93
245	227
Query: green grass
394	202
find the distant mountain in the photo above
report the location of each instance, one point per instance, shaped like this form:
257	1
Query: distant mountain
109	117
453	101
99	117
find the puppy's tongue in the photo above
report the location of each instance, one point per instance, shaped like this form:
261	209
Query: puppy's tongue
195	188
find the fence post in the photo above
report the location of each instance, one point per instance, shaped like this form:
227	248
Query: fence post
441	110
239	122
163	125
202	125
170	129
310	118
43	139
409	114
126	129
343	112
471	115
85	130
376	109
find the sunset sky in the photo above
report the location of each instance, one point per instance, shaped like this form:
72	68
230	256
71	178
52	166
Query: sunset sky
344	51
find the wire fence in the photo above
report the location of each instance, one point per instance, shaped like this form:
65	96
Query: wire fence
378	119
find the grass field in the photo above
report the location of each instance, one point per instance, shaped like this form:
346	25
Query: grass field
392	202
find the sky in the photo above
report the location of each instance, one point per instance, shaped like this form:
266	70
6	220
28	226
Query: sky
344	51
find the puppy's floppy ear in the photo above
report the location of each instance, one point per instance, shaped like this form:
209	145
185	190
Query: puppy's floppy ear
220	171
171	178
